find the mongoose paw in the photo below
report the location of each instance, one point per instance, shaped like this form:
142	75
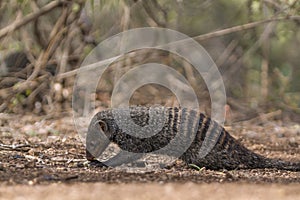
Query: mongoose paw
96	163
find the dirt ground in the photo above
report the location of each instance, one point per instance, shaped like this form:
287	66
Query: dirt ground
43	157
147	191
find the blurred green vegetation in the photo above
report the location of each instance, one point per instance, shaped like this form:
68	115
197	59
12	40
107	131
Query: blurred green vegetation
260	66
275	44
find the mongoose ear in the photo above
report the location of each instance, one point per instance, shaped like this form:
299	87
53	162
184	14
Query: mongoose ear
103	125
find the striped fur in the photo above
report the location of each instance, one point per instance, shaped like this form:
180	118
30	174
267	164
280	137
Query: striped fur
227	153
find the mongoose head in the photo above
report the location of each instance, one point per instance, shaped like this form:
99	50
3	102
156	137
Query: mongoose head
97	139
100	133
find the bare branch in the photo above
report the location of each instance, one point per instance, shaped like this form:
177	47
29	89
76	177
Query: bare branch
30	17
198	38
243	27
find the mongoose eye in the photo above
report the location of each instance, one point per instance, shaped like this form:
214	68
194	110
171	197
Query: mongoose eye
103	125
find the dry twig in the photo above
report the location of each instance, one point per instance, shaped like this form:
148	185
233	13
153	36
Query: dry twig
13	147
198	38
30	17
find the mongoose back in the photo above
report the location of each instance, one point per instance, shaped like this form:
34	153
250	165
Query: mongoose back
227	152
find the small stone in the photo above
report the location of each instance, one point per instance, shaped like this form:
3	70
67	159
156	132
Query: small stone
30	182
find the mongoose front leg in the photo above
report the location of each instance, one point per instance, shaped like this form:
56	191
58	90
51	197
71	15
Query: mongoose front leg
123	157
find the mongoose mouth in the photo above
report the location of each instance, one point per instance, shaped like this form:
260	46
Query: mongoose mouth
89	156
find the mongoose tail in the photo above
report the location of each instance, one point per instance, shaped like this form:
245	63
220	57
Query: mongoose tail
227	153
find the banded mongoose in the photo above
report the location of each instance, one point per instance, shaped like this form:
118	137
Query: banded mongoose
227	153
